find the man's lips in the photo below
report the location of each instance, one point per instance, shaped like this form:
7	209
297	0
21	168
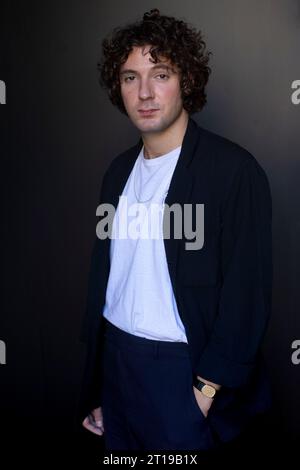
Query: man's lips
147	112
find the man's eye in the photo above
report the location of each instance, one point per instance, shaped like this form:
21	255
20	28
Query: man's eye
128	78
163	75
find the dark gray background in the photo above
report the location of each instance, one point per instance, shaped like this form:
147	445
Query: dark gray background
59	133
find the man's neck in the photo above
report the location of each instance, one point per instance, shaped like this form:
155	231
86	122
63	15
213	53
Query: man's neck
158	144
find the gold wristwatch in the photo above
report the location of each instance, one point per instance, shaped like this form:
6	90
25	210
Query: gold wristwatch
207	390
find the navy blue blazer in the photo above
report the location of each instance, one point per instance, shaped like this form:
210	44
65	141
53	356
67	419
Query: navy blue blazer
223	290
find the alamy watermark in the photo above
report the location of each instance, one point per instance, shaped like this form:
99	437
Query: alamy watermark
150	222
2	92
296	354
295	96
2	352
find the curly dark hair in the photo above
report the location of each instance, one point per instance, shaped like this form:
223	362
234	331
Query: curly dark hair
168	37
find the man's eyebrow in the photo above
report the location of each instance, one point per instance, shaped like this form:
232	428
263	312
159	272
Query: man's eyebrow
156	66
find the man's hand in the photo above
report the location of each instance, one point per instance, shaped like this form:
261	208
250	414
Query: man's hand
204	402
94	422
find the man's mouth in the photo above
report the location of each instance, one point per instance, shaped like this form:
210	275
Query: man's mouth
147	112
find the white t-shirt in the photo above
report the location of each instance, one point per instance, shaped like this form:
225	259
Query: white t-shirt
139	296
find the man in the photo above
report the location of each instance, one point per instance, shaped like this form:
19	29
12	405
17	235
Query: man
174	331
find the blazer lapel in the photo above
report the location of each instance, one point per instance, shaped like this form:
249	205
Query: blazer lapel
180	187
122	173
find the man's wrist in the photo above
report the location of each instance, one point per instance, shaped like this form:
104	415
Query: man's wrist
207	388
216	386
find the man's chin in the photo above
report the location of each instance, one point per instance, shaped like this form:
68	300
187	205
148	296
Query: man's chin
148	127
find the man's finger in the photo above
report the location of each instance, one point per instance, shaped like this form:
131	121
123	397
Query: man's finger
91	427
97	414
96	420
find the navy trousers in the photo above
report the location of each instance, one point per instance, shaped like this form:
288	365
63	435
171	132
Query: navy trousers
148	402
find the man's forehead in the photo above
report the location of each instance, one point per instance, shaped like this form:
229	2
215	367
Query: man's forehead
141	55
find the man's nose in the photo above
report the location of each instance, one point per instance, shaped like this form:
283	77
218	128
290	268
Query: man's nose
145	89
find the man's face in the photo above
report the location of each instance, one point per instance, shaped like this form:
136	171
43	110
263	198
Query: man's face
149	86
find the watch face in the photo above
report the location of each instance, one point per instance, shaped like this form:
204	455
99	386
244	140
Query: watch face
208	391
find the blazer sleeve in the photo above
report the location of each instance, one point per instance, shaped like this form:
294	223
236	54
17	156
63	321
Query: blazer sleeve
246	292
92	300
90	334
